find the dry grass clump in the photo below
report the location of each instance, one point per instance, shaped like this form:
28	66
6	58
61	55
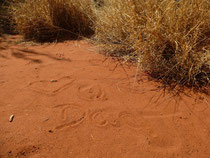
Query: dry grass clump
1	30
168	38
5	18
49	20
1	17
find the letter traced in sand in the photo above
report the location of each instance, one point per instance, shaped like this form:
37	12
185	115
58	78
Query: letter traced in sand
91	92
105	117
71	115
51	88
97	117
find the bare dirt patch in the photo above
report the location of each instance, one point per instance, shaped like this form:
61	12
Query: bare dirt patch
68	101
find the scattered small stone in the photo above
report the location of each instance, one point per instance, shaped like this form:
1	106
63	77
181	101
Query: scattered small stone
46	120
11	118
22	152
53	80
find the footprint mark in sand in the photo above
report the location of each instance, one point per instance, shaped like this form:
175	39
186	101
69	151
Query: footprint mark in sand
71	115
163	142
159	138
91	92
163	137
52	87
133	120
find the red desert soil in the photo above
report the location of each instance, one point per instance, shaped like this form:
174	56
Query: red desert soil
69	102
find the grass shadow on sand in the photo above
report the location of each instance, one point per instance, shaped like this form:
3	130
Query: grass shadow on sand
26	54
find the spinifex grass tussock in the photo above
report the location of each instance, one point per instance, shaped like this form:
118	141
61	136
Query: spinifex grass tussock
5	18
49	20
1	31
168	38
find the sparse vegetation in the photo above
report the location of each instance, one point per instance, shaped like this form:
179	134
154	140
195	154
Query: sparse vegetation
5	18
49	20
169	39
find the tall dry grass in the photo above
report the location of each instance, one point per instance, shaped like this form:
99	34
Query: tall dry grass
6	26
168	38
49	20
1	17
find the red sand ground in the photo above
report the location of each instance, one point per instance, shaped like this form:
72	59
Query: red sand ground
68	103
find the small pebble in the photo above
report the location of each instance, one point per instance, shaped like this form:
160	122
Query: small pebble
53	80
46	120
11	118
10	153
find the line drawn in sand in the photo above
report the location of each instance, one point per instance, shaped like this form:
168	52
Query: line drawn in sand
71	115
51	87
